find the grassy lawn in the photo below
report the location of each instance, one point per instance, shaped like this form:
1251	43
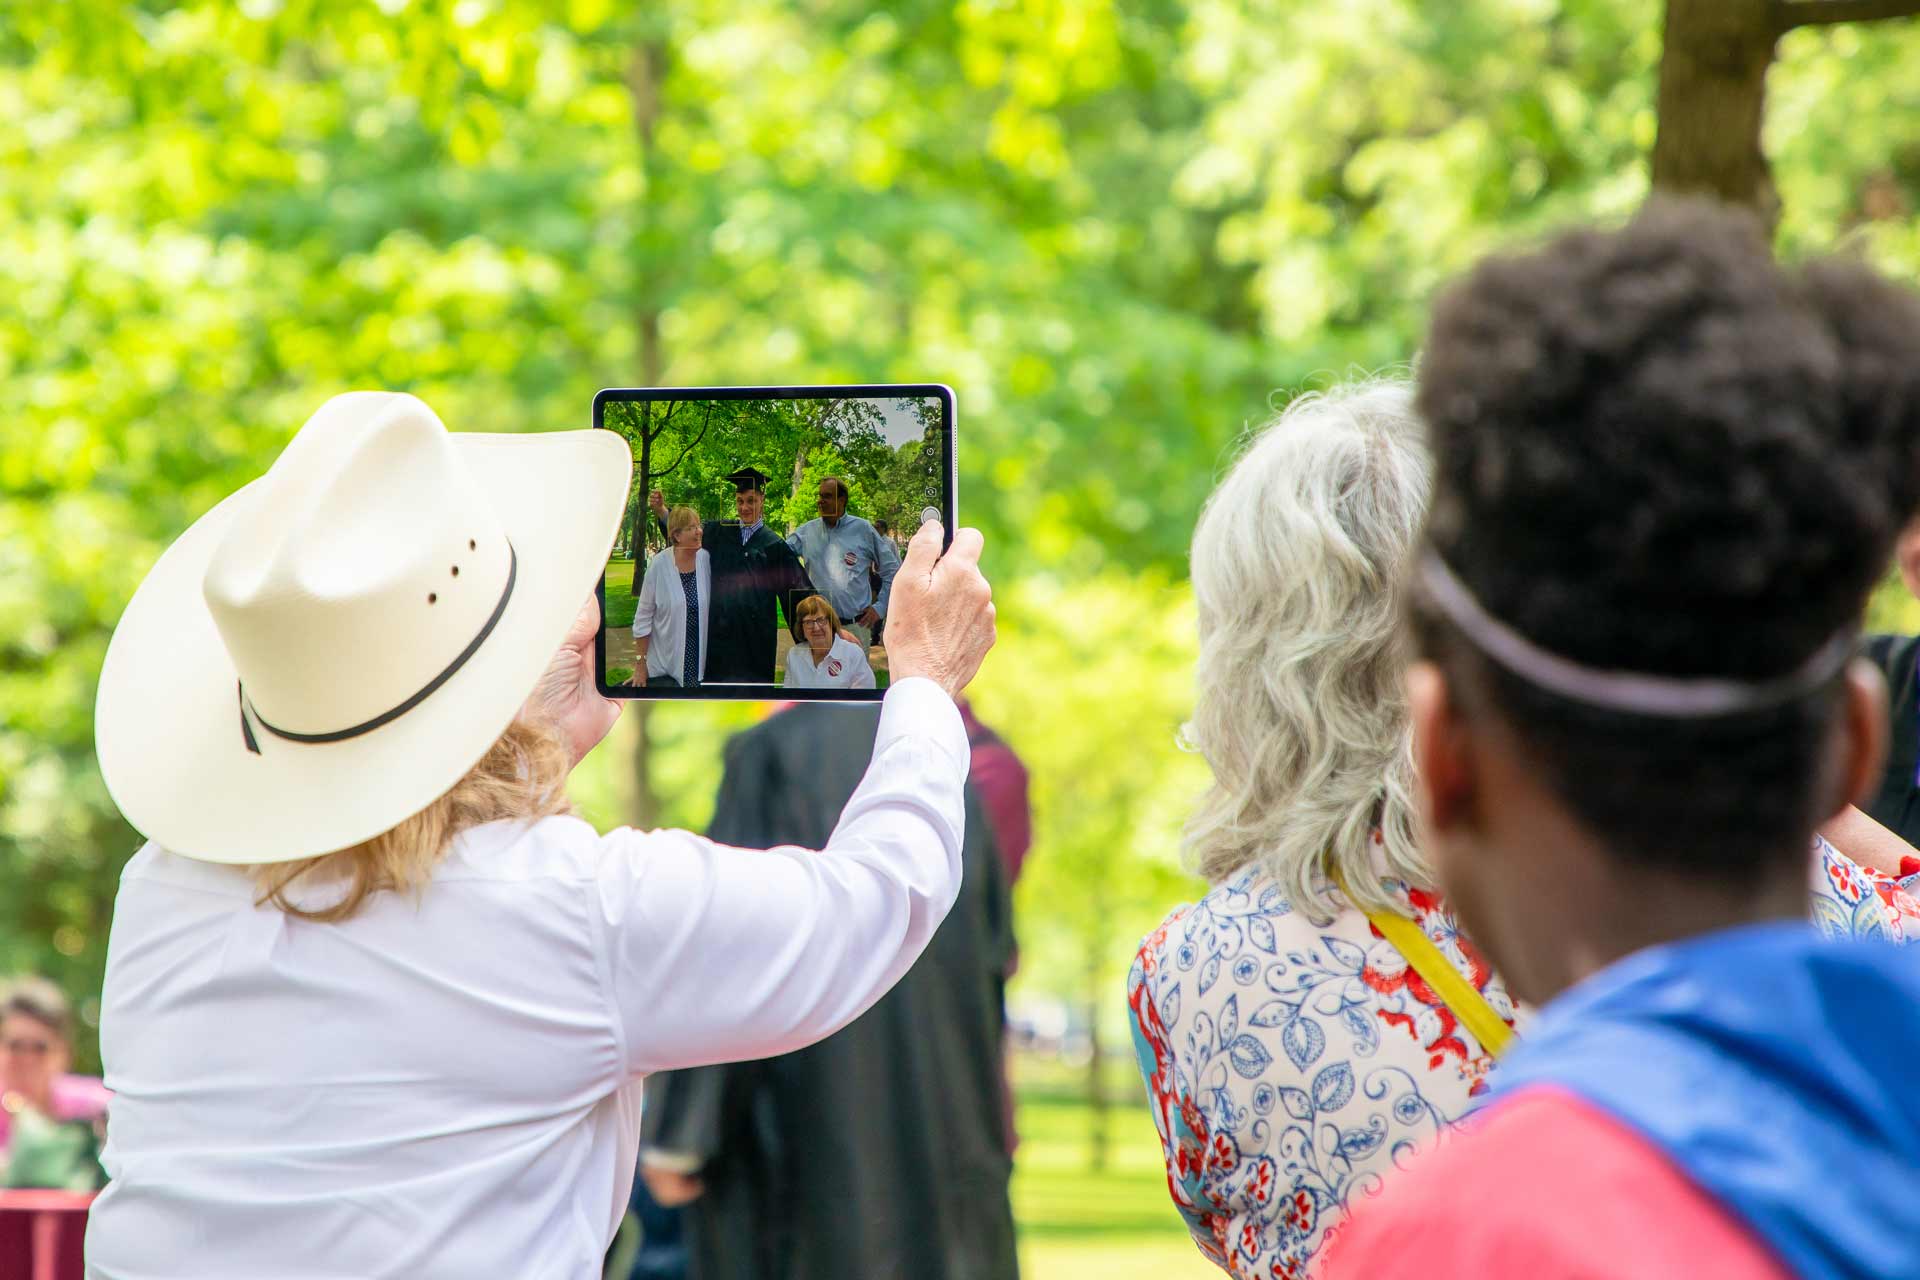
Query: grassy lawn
1117	1224
620	605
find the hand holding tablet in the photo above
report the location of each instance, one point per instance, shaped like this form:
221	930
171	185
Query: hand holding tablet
944	622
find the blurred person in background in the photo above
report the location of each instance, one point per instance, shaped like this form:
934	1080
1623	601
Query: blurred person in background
1668	472
881	1150
655	1244
671	611
1323	986
1896	802
873	577
375	1004
50	1119
1000	779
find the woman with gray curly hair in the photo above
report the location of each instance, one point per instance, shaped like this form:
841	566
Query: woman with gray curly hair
1318	1014
1291	1053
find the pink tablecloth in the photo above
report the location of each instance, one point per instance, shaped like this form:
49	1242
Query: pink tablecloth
43	1234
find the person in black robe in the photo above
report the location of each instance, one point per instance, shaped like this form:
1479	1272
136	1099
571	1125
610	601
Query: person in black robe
753	569
879	1151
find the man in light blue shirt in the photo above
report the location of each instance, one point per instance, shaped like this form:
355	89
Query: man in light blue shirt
840	550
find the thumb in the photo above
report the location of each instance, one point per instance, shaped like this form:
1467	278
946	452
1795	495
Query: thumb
924	551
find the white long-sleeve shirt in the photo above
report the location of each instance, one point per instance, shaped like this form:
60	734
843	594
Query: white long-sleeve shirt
448	1085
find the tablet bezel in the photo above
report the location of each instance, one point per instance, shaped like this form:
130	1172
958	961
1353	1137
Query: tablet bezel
770	692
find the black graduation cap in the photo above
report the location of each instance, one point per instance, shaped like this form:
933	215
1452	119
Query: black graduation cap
748	480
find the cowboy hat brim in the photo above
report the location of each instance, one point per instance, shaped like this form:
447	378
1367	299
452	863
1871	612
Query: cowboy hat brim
167	723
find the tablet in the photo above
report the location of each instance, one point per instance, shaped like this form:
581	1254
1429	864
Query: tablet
763	529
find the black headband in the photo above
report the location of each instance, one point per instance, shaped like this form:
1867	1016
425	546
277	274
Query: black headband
1632	692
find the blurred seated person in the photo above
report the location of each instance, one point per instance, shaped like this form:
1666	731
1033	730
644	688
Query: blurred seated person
824	658
671	610
50	1121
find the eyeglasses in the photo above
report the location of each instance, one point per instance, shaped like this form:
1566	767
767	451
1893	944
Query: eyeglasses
26	1047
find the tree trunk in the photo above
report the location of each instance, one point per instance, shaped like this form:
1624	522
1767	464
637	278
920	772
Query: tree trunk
1713	81
641	482
643	82
1097	1115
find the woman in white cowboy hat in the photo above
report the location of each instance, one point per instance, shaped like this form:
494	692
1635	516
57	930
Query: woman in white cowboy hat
374	1006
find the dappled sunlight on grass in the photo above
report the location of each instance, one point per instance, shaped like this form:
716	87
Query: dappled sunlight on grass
1116	1224
1107	1259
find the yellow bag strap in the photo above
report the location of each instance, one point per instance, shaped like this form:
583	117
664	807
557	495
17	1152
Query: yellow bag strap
1458	994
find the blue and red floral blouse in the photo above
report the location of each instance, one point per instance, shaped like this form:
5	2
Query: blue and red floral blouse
1291	1066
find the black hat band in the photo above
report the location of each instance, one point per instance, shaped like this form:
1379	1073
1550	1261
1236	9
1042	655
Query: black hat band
385	717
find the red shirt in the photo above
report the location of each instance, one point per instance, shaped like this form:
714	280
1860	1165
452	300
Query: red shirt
1544	1184
1001	780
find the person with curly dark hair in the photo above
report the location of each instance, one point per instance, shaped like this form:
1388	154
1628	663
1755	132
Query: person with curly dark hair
1667	473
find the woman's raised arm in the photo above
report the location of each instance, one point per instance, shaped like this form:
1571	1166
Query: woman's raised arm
718	954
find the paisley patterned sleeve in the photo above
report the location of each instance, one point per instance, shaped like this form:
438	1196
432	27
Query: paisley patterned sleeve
1853	901
1183	1133
1908	881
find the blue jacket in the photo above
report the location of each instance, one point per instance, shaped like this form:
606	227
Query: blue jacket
1779	1070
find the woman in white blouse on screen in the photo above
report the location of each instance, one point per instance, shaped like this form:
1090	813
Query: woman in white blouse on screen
375	1005
825	658
670	614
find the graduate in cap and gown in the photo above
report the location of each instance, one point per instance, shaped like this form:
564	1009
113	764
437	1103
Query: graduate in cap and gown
752	567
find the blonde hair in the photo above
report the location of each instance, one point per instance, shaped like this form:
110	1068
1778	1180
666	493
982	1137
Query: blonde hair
1300	709
812	605
678	519
522	776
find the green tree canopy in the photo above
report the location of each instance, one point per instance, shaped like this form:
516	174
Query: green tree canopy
1120	232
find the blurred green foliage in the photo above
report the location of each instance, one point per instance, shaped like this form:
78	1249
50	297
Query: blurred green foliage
1121	232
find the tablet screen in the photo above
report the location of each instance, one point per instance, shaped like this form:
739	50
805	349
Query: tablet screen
763	530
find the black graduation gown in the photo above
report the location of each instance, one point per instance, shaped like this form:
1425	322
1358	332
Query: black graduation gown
880	1151
748	580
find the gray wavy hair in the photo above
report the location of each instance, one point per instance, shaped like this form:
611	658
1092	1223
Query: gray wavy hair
1300	709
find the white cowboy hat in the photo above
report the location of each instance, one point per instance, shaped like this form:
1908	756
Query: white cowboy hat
326	652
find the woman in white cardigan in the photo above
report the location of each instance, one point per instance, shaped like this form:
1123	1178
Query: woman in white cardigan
375	1006
670	614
